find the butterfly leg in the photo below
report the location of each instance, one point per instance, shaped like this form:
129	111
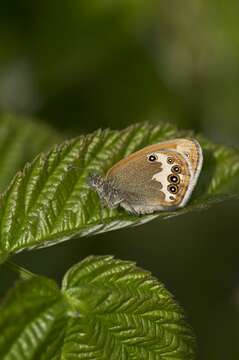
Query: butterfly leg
102	206
111	203
130	208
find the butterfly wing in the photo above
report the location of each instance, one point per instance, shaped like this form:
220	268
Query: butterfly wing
164	183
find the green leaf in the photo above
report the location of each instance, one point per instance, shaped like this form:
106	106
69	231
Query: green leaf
50	200
20	141
32	320
107	309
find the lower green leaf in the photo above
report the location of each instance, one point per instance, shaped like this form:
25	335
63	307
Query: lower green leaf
32	317
106	309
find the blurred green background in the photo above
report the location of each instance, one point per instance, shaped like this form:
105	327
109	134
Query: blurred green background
81	65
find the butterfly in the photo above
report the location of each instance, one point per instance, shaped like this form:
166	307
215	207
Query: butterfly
159	177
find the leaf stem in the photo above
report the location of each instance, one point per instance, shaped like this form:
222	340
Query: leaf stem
21	271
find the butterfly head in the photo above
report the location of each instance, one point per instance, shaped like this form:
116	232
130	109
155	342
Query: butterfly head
95	181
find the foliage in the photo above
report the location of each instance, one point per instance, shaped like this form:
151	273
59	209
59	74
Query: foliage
106	309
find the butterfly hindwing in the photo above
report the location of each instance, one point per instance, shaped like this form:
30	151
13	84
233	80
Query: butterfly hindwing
158	177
